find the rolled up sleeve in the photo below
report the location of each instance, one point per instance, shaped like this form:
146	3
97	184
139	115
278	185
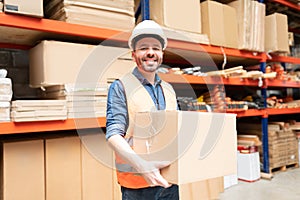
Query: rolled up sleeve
116	113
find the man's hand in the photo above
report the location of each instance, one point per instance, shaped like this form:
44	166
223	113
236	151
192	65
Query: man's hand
151	172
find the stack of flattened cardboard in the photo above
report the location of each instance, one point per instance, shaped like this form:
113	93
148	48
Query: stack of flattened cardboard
38	110
112	14
5	96
83	100
251	24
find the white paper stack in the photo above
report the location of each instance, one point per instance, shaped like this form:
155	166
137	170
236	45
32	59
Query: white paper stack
112	14
1	6
5	96
251	24
38	110
83	101
4	111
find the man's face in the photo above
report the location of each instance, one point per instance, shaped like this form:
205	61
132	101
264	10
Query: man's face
148	54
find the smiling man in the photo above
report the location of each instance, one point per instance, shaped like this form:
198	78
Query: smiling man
141	90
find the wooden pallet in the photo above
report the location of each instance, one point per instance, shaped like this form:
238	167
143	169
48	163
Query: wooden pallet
283	168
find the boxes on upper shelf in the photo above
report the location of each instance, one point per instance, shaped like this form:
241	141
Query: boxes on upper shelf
117	14
276	36
31	8
250	19
58	63
199	145
177	14
219	22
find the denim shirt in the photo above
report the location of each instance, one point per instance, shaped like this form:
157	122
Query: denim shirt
117	113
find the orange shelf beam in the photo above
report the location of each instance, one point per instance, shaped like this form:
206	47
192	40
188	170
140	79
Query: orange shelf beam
190	79
286	59
54	26
249	113
288	4
280	111
282	83
41	126
183	45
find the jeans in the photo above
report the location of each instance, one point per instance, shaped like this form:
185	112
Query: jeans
151	193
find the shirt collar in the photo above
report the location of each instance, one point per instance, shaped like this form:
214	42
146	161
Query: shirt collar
143	80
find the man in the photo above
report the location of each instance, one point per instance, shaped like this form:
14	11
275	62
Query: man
141	90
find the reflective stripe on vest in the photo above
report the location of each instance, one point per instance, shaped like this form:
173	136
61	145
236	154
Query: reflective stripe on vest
138	100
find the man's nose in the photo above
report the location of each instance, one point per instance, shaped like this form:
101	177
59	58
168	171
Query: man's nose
150	52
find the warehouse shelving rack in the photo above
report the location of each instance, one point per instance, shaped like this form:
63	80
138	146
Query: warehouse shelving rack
22	32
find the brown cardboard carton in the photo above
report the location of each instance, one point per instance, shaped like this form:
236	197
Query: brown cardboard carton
32	8
97	171
210	189
219	22
230	27
199	145
23	170
177	14
276	33
57	63
63	168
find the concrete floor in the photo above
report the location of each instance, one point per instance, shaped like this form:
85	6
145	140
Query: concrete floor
284	185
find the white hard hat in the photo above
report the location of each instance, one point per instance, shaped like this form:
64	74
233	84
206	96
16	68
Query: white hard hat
147	28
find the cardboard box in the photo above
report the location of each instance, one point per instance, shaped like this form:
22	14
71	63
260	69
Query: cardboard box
219	22
276	33
199	145
97	168
177	14
32	8
251	20
23	170
57	63
63	168
206	189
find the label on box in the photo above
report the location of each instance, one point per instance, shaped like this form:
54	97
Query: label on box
11	7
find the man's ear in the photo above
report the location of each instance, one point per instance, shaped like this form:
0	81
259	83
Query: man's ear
133	55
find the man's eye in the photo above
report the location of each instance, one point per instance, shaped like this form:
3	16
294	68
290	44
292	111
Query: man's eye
156	49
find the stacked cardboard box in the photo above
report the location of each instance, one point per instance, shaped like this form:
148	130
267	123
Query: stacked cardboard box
283	146
22	170
58	168
34	8
118	15
38	110
251	24
219	22
277	36
181	20
58	63
82	100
